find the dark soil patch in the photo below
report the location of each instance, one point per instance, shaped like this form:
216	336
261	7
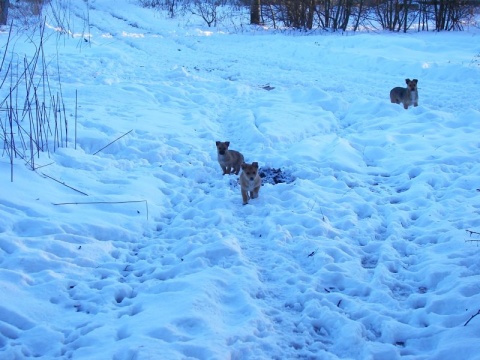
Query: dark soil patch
275	176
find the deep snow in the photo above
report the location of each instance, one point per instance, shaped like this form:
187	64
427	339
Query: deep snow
363	255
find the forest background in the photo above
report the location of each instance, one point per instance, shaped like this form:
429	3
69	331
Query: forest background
333	15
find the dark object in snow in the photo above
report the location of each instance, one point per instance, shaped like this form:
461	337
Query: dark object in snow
275	176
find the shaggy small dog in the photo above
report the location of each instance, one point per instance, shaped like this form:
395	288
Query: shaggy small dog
250	182
228	159
406	96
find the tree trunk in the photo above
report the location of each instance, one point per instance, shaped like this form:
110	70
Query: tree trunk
255	10
4	11
311	13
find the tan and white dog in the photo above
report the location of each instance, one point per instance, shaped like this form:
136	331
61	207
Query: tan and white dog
228	159
250	182
406	96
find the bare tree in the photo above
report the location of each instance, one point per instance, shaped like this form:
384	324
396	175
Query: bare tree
207	10
394	15
359	11
298	14
449	14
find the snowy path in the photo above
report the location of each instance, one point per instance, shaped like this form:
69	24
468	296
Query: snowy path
360	225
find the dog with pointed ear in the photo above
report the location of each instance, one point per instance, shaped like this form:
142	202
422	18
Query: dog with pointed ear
229	160
406	96
250	182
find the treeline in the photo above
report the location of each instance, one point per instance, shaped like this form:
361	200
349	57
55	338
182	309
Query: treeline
392	15
336	15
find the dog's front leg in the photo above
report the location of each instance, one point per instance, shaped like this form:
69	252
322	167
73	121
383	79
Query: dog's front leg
245	197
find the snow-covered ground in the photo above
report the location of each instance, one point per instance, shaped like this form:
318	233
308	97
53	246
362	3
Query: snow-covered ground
361	254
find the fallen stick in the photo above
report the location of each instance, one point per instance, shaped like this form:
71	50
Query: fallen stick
104	202
478	313
471	232
60	182
39	167
95	153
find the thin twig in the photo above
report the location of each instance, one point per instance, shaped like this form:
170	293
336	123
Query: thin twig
76	107
478	313
104	202
41	166
95	153
312	253
81	192
471	232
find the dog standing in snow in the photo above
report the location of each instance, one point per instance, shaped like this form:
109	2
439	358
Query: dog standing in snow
228	159
250	182
406	96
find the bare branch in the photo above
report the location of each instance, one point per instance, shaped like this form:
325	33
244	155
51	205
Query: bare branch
96	152
61	182
478	313
104	202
